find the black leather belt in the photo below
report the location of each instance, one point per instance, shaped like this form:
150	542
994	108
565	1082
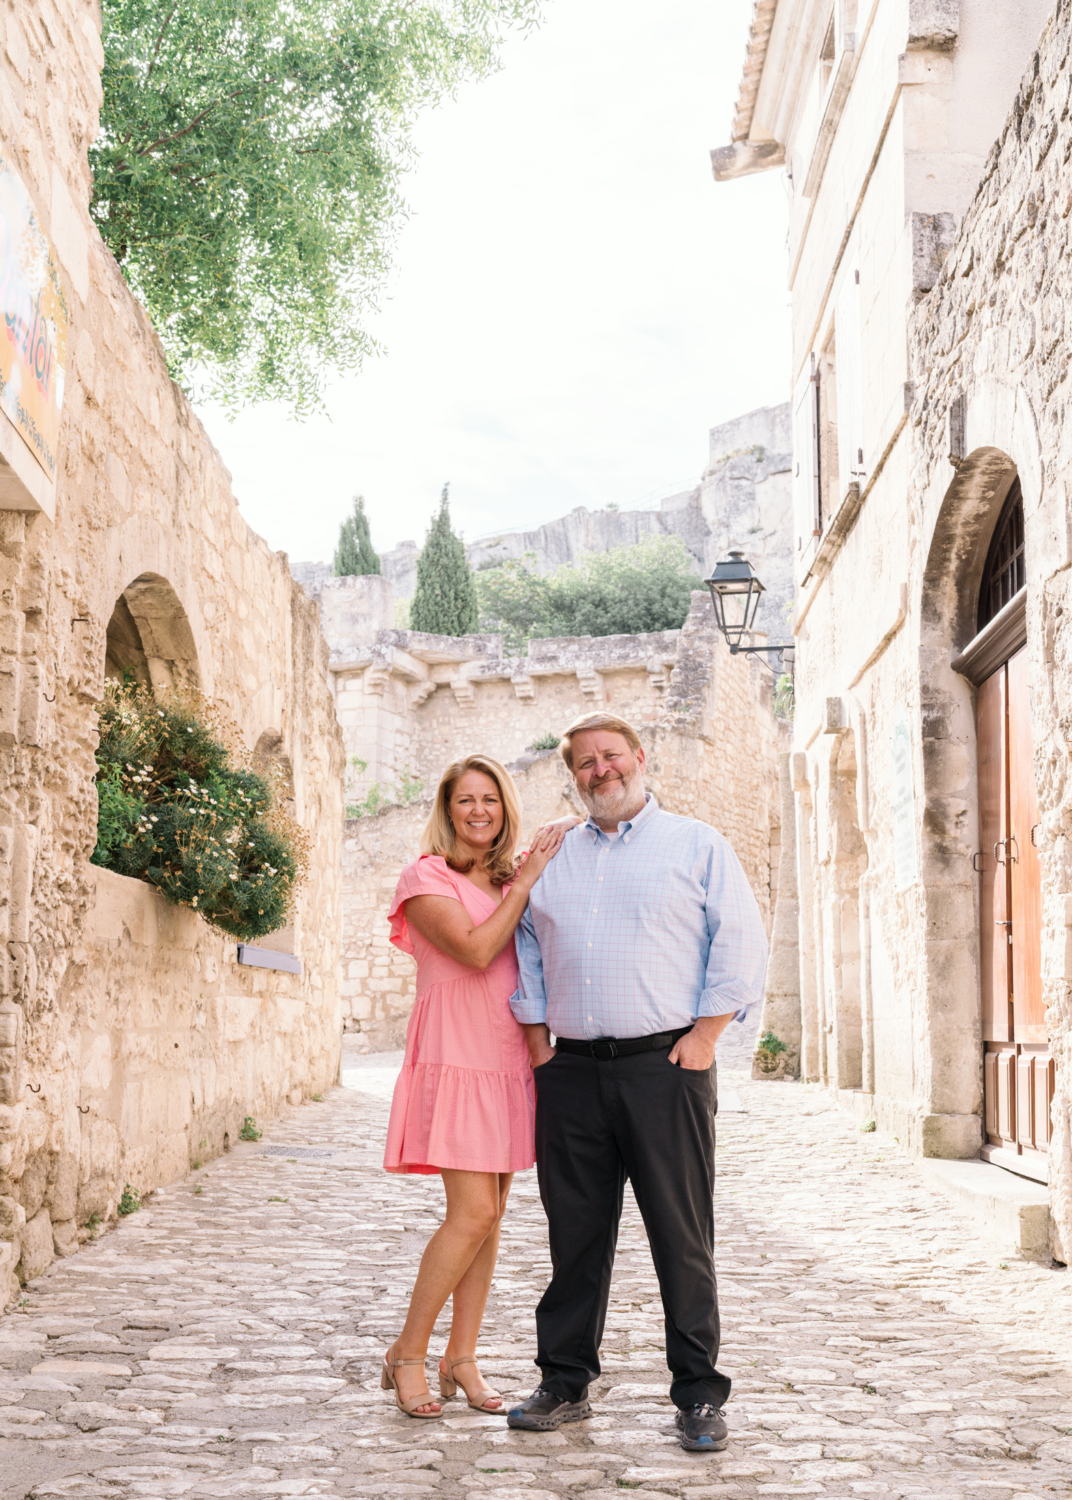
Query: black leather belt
606	1048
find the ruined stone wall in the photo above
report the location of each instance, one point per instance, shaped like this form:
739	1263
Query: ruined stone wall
704	716
743	499
990	354
131	1042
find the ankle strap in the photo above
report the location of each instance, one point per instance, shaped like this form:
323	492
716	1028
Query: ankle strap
464	1359
394	1363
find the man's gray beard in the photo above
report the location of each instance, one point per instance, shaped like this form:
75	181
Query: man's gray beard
617	807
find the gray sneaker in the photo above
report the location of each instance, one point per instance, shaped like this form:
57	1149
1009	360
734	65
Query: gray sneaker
544	1410
701	1428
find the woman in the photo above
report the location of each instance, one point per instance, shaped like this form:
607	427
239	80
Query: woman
464	1103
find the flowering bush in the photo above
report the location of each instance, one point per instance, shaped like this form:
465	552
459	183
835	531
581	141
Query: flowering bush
180	805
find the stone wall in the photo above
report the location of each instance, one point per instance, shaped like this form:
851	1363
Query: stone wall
744	499
704	715
990	356
131	1042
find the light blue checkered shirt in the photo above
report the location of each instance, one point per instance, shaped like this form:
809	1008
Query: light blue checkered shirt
639	934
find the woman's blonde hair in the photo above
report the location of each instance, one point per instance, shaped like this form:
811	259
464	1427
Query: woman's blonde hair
439	838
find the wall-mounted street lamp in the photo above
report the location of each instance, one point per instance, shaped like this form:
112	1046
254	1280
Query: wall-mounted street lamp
735	592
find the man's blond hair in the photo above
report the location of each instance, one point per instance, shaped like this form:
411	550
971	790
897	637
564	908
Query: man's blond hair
596	721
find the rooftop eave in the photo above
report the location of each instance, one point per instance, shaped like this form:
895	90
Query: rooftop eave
743	158
755	57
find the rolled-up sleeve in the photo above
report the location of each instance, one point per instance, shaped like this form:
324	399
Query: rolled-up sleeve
529	1000
737	960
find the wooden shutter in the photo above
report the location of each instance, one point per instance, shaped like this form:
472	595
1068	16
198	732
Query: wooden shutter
806	458
1024	872
995	947
849	378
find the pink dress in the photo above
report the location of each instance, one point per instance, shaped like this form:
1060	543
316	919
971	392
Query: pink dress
465	1096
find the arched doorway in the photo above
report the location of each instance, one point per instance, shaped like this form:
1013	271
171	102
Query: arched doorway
1018	1072
149	637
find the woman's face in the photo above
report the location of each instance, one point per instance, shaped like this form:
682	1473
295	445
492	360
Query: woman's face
476	811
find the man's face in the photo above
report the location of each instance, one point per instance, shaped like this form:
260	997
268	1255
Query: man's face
607	772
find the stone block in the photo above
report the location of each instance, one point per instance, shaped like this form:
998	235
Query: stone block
65	1237
35	1244
1012	1211
12	1218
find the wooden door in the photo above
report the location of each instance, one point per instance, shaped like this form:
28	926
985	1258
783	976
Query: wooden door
1018	1072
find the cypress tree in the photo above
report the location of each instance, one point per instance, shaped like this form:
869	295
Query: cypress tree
445	599
354	554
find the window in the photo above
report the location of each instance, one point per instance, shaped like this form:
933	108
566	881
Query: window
1004	574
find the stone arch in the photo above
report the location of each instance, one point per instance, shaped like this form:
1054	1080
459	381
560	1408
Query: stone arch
959	541
150	635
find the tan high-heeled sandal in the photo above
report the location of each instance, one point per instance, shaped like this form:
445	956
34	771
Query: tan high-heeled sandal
389	1382
448	1386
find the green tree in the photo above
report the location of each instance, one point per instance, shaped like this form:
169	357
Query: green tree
627	591
246	172
355	555
444	601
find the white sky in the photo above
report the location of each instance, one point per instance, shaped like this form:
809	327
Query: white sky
575	300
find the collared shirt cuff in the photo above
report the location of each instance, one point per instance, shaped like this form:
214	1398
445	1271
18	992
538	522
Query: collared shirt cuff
716	1003
528	1010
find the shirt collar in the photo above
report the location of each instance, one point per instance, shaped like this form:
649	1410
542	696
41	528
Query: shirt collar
650	807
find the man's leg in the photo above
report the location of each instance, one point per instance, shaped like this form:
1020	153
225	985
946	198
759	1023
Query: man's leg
664	1120
581	1181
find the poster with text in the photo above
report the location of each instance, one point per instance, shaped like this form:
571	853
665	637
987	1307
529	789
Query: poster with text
33	338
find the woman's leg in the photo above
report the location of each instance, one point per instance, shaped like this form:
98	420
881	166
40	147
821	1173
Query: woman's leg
470	1300
473	1212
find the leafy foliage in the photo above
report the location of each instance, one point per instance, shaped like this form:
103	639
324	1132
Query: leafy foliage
784	696
250	1130
547	741
181	806
382	794
355	555
771	1044
246	173
130	1201
627	591
444	601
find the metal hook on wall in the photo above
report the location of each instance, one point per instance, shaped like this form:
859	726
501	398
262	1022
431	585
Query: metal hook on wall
81	620
35	1088
48	699
83	1109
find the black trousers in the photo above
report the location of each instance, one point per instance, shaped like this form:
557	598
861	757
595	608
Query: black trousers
598	1123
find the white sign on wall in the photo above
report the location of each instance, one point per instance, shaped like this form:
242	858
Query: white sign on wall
903	798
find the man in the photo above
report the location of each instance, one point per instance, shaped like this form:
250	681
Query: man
641	942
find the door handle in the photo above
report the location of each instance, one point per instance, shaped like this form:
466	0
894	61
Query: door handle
977	867
1014	852
1034	829
1001	923
1010	855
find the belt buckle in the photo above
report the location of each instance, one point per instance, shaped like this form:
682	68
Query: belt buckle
609	1055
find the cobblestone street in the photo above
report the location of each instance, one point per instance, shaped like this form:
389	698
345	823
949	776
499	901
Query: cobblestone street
226	1340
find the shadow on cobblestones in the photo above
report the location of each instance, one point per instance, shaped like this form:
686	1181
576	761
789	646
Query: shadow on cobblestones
226	1341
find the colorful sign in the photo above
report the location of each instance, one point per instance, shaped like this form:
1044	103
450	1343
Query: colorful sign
33	334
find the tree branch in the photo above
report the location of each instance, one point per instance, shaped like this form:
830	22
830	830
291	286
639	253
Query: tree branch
159	40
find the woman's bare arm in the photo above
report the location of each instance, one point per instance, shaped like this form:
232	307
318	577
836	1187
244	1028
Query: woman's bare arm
449	927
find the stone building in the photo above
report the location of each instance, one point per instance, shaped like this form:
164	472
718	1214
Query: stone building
409	703
744	498
927	146
133	1038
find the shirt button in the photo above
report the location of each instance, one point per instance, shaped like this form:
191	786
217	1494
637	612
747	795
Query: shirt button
595	911
588	981
627	838
589	945
601	880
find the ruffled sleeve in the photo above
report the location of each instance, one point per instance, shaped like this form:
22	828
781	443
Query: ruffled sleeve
428	876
